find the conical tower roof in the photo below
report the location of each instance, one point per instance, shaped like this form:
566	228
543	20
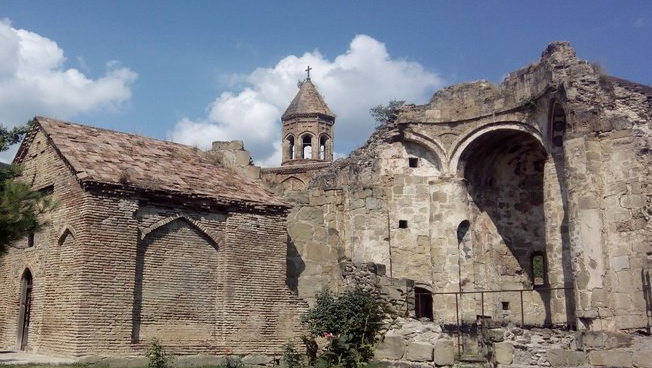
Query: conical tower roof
308	101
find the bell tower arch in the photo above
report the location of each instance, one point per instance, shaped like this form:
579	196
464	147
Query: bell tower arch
307	127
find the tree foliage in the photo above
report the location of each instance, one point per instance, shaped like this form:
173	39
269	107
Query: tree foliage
350	322
20	206
386	113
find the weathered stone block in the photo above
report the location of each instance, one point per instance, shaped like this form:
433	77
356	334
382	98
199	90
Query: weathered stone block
632	201
257	360
496	334
503	352
613	358
566	358
444	352
392	347
419	352
642	359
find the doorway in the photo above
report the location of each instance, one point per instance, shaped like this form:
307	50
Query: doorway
25	310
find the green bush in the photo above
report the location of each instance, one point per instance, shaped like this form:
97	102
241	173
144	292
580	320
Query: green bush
350	322
291	357
158	357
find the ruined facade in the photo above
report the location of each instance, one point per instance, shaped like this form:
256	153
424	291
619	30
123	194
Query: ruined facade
149	239
534	191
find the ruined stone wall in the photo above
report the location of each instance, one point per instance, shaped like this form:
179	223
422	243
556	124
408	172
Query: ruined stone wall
551	162
422	344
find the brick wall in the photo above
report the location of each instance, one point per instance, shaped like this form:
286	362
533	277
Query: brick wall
113	270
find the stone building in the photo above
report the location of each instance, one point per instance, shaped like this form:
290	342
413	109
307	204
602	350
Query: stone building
150	239
534	191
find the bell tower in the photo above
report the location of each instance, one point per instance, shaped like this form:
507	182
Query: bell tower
307	127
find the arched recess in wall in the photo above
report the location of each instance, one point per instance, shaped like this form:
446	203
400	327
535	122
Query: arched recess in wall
306	145
504	169
199	227
435	151
66	235
176	282
556	126
293	183
25	312
290	147
461	144
325	149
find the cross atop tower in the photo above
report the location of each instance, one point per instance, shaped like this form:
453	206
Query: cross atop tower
308	71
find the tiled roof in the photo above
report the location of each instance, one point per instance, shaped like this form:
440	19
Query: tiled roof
109	157
307	101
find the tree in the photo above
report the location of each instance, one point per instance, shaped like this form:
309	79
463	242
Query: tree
20	206
386	113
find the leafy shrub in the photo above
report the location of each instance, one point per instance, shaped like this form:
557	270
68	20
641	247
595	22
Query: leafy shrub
158	357
291	357
350	322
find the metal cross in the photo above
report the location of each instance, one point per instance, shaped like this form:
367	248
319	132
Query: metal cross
308	71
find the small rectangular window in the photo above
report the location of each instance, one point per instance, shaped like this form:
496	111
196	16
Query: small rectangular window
505	306
30	240
539	270
413	162
402	224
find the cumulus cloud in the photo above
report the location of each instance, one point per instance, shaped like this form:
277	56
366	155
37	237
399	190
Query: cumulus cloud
364	76
35	81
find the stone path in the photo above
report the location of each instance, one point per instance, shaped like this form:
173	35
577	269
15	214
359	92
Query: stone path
13	357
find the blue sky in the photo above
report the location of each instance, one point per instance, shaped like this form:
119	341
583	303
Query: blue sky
197	71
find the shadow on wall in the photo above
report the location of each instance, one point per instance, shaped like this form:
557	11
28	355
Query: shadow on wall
295	266
505	174
647	296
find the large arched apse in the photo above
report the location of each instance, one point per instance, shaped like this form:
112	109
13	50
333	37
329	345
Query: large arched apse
504	170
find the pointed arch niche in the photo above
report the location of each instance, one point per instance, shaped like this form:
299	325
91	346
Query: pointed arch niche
176	282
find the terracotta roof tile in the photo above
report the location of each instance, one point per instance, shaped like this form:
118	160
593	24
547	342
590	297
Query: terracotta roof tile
110	157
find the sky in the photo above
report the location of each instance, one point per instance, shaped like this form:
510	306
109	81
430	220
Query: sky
198	71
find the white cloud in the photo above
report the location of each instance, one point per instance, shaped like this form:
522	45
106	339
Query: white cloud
34	81
365	76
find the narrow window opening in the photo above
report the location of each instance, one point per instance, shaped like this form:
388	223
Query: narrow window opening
30	240
291	148
307	146
538	270
422	303
505	306
413	162
402	224
463	231
322	148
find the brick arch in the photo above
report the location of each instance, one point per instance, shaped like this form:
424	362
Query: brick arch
217	242
291	179
462	143
66	231
176	285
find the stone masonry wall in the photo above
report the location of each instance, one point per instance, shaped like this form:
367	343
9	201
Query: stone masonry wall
552	161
